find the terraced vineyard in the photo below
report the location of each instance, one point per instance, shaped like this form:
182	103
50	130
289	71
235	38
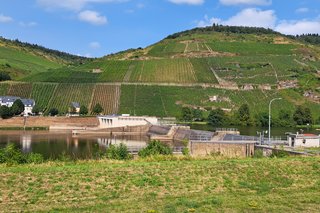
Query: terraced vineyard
42	94
165	70
21	90
4	88
108	96
67	93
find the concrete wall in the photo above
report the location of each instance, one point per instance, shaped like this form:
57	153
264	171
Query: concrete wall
304	141
225	149
123	121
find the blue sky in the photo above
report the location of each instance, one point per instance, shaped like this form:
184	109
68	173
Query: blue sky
98	27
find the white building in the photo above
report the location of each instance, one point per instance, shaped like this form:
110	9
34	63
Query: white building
112	121
304	140
9	100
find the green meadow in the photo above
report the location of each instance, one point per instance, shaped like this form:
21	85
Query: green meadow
164	185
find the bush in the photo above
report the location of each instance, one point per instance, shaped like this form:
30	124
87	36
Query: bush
185	151
53	112
258	153
5	112
155	148
119	152
4	76
12	155
35	158
279	154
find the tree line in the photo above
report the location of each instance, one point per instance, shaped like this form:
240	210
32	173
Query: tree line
244	117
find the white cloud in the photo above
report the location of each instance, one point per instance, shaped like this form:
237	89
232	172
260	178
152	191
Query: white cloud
302	10
71	4
298	27
94	45
92	17
28	24
5	19
250	17
191	2
208	21
246	2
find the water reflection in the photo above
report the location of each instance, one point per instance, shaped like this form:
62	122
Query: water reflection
53	145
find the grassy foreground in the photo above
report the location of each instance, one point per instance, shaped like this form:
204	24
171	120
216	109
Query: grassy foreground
203	185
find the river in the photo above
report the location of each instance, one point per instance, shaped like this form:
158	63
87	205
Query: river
54	144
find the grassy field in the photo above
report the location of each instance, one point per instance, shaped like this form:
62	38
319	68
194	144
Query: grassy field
211	185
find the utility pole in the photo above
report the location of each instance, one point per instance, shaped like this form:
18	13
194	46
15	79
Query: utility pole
270	117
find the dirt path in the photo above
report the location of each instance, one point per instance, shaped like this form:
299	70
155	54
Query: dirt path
224	83
128	74
209	48
49	121
186	48
275	72
92	96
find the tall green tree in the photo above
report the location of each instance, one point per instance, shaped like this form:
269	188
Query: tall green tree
97	109
186	114
5	112
197	115
36	110
83	110
17	107
244	114
263	119
217	117
302	116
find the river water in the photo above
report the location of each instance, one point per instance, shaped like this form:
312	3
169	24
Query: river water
54	144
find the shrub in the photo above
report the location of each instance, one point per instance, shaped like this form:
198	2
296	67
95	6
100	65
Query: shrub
11	155
4	76
258	153
155	148
279	154
185	151
53	112
119	152
35	158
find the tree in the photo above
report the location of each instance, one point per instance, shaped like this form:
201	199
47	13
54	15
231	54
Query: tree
83	110
5	76
285	118
53	112
197	115
217	117
187	114
302	116
263	119
244	114
5	112
36	110
17	107
97	109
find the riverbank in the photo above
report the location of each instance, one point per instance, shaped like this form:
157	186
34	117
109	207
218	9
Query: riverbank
170	185
17	123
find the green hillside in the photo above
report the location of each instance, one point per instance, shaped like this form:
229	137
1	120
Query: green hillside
237	64
23	59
